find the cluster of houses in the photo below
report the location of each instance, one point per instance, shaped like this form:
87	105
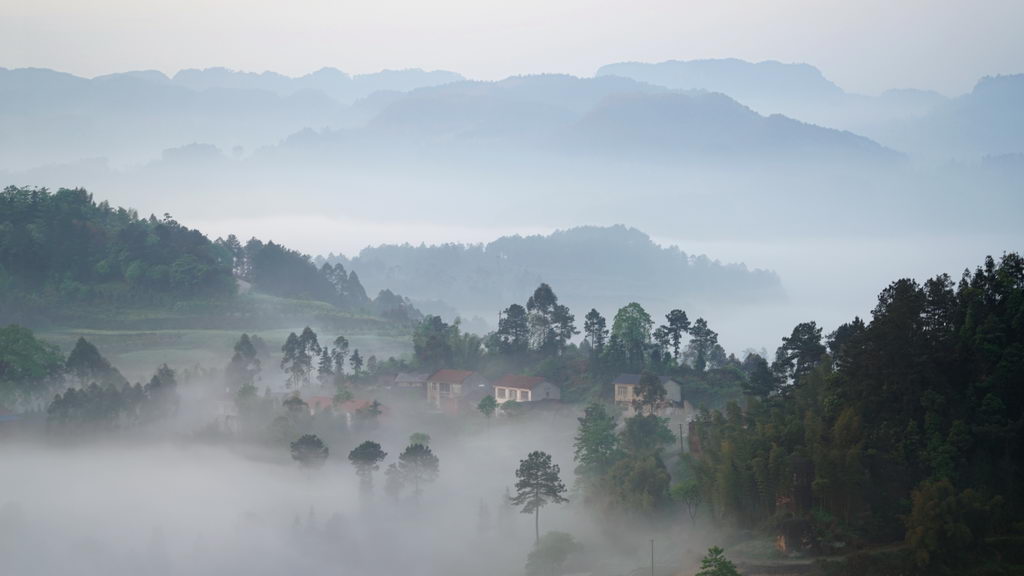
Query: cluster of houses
459	391
456	392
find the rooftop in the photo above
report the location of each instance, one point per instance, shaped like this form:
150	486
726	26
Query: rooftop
519	381
450	376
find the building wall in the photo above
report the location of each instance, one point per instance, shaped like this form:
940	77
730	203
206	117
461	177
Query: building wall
503	394
446	396
546	391
674	391
625	393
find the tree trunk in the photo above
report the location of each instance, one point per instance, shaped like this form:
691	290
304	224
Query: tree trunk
536	526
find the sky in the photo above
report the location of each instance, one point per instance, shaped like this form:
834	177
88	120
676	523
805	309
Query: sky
865	46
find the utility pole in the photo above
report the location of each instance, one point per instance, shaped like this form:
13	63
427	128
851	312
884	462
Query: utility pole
652	556
682	447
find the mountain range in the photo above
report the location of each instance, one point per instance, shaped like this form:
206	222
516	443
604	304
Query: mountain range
989	120
49	117
669	149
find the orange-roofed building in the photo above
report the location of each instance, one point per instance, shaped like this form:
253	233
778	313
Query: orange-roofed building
449	390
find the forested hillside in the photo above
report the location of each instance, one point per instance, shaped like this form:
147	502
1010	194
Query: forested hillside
593	267
63	246
62	251
907	427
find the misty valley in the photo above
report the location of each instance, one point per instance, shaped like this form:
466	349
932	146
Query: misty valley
247	407
690	317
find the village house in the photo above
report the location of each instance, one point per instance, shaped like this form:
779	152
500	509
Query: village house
452	391
348	409
519	388
320	403
411	380
625	391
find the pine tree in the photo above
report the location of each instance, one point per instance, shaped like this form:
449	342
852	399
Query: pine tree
537	485
366	458
418	465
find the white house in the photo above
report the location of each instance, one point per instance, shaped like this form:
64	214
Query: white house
525	389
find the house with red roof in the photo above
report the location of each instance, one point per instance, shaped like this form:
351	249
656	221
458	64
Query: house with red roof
452	391
519	388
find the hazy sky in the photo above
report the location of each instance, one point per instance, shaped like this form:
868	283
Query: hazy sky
863	45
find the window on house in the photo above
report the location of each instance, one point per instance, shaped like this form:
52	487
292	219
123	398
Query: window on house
500	393
522	395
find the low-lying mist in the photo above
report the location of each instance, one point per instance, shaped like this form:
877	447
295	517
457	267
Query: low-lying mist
174	505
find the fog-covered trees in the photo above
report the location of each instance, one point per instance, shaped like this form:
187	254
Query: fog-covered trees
432	343
325	367
356	361
595	444
513	335
703	341
551	324
677	324
549	556
394	481
418	465
162	391
299	353
86	365
543	326
277	270
630	336
29	368
243	370
595	330
419	438
537	485
309	451
95	407
366	458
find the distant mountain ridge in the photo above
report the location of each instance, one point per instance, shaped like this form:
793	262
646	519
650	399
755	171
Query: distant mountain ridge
712	125
588	266
562	114
333	82
986	121
132	116
745	81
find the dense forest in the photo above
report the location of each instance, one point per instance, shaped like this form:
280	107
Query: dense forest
62	250
907	426
63	245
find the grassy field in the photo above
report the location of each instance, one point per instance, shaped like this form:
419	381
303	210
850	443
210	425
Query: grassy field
190	334
138	352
